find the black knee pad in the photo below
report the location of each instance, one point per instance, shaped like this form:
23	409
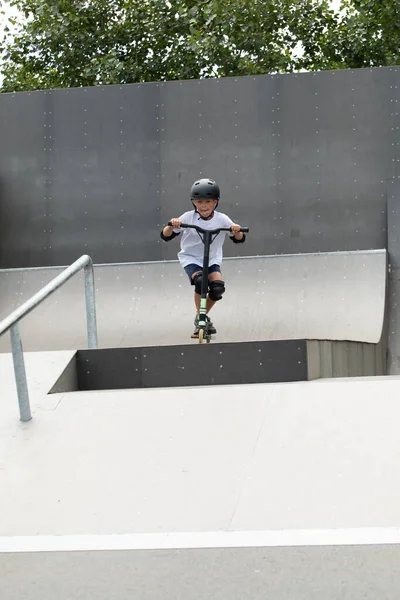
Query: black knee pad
217	289
197	281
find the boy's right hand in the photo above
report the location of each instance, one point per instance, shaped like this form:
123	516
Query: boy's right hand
176	223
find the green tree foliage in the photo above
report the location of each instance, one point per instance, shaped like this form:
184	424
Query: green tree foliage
70	43
373	36
366	34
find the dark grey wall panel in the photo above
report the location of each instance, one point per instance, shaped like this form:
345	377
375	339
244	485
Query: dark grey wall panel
393	205
218	364
23	177
104	165
334	159
301	159
106	369
83	179
221	129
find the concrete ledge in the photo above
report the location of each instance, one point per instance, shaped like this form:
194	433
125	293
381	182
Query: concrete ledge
327	358
218	364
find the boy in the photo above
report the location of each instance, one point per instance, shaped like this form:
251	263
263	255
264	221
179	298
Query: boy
204	196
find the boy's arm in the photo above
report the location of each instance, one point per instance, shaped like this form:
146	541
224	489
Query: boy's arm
238	238
167	234
169	231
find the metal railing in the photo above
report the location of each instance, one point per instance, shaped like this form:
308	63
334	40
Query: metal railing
11	323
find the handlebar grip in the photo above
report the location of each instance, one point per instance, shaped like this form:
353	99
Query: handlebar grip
244	229
182	225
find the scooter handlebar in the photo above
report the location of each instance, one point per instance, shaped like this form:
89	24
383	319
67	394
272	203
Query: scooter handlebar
201	230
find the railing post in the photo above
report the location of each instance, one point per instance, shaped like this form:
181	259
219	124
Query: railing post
91	319
20	374
11	323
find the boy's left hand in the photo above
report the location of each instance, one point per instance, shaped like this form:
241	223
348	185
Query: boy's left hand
235	228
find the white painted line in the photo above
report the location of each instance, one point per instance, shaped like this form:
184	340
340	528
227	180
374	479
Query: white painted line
208	540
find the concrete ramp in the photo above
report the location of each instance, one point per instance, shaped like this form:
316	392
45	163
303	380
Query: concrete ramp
309	455
288	491
327	296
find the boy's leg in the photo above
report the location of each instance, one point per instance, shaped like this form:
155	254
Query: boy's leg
213	276
216	276
197	297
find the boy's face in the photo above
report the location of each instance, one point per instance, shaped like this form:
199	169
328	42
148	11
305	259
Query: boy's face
205	206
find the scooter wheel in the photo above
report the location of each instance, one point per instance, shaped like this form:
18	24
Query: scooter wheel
201	336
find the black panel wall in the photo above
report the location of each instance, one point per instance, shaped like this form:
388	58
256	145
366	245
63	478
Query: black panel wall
192	365
303	160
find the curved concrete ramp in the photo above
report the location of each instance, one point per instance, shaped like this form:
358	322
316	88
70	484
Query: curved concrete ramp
333	296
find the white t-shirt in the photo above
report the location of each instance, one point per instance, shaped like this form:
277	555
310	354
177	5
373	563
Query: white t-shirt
192	247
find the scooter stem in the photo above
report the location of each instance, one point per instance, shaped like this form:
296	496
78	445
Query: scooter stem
204	283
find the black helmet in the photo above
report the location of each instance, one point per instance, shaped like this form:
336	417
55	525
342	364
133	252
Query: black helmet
204	188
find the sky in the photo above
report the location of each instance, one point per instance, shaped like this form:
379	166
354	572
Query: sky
10	11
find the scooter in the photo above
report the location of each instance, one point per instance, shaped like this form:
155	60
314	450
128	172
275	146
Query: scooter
207	236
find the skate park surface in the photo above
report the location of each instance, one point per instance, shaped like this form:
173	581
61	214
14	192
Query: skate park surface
231	491
234	492
283	490
332	296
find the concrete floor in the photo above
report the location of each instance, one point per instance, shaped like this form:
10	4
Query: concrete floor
320	454
285	490
291	573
